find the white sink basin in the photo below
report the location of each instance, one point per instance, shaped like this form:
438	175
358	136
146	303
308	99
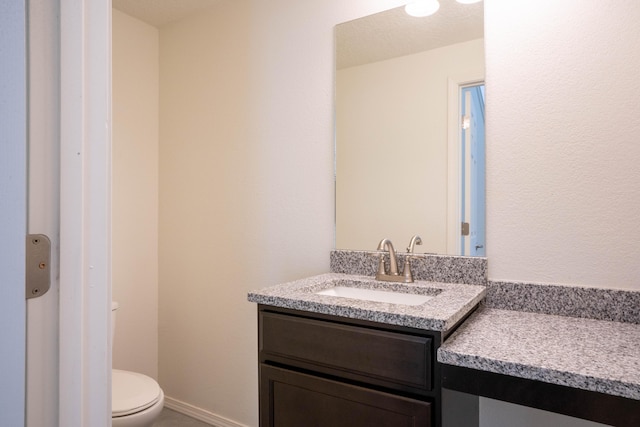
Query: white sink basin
376	295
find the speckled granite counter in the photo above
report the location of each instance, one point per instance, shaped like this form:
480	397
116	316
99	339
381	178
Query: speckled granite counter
429	267
595	355
452	301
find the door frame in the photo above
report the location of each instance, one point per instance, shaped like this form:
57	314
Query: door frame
84	370
455	83
85	213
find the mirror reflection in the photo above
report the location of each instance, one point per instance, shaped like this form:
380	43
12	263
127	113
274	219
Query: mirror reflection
410	130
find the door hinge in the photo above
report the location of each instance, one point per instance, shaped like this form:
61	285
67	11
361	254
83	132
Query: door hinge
38	265
465	229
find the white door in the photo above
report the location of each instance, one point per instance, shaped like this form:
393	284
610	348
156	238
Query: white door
13	209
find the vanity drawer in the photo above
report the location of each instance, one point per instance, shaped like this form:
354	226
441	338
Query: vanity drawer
391	359
294	399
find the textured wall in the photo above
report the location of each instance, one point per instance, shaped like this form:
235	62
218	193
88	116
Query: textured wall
562	142
135	193
562	152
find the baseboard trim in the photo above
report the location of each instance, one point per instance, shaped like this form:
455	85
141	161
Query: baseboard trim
199	413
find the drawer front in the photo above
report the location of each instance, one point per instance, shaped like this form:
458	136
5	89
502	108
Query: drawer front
292	399
391	359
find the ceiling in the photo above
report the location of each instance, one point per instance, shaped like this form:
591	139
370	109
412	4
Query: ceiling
160	12
372	38
394	33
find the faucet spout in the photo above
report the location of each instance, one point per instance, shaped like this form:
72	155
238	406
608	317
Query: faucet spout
386	245
415	240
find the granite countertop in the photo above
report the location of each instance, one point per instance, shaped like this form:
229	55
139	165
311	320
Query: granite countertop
596	355
452	302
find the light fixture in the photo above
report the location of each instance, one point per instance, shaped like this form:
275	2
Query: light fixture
468	1
420	8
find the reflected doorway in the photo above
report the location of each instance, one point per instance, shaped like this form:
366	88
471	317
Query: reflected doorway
472	170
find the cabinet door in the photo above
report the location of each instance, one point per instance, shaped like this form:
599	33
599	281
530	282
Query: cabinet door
293	399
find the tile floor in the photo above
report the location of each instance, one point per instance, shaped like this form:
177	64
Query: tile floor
169	418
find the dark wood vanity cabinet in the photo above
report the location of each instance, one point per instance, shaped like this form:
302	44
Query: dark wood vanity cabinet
328	371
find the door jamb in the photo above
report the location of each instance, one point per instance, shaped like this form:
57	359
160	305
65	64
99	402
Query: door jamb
85	213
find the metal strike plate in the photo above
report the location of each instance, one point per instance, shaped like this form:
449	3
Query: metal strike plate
38	265
465	229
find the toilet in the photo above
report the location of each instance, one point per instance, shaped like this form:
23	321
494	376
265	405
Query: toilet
137	399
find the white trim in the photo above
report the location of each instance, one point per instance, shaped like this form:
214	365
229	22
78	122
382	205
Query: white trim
85	218
199	413
453	159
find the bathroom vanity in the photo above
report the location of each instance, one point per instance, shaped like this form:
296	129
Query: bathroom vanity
333	359
353	361
345	373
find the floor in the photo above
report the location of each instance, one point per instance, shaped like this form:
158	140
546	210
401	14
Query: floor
169	418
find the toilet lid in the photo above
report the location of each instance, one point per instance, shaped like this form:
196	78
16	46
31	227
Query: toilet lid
132	392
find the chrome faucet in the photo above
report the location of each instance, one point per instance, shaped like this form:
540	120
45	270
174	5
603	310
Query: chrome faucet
392	275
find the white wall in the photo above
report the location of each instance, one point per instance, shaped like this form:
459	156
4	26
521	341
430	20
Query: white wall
246	183
135	193
211	215
246	165
494	413
562	159
562	151
391	141
562	145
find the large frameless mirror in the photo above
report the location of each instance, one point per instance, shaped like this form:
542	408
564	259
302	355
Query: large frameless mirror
410	130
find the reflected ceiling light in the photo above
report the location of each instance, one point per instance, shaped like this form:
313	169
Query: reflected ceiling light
468	1
420	8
